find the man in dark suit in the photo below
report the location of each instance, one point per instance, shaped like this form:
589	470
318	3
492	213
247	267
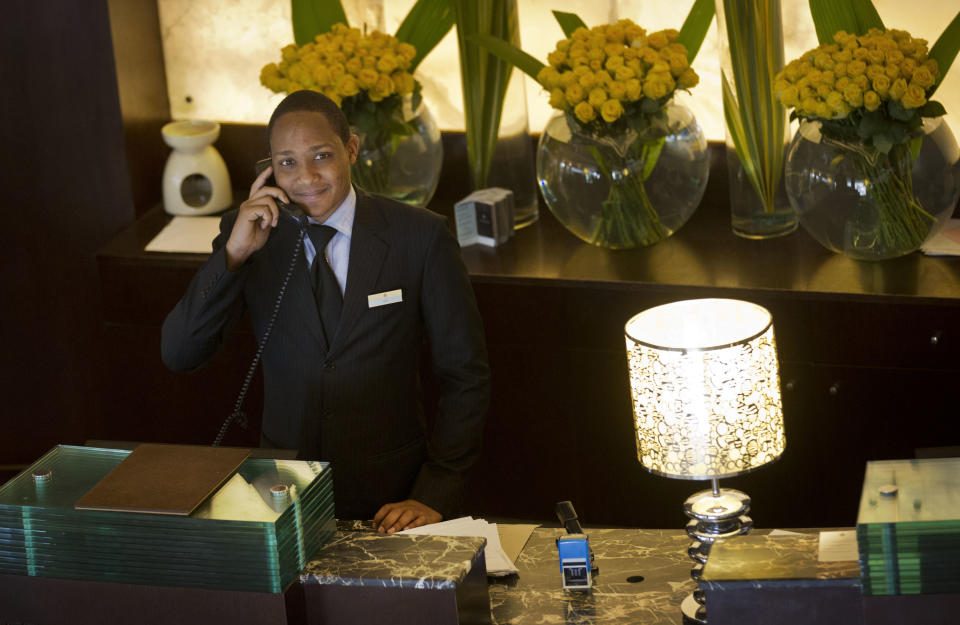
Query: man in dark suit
346	390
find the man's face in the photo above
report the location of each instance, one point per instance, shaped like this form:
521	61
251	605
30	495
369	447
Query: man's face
311	163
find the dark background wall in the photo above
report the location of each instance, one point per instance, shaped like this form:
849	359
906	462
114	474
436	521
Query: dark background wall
79	153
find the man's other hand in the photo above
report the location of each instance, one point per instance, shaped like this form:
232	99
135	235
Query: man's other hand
404	515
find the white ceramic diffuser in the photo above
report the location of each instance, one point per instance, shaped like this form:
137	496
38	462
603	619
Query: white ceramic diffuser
195	178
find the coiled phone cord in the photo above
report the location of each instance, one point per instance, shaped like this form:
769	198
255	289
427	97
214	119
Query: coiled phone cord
238	414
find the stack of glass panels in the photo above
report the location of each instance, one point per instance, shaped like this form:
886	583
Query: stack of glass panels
908	527
255	533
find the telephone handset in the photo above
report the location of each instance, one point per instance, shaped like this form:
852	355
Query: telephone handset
258	168
294	212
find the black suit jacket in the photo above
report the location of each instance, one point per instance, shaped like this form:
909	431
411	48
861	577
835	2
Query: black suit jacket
356	402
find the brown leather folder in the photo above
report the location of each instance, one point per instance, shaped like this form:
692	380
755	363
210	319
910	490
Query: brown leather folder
164	479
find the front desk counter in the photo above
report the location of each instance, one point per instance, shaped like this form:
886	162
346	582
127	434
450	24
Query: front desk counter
424	580
362	578
763	578
644	576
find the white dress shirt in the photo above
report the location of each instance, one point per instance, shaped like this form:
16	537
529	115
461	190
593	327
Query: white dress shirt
338	250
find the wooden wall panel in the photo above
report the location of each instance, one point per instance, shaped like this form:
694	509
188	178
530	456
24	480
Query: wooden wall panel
142	88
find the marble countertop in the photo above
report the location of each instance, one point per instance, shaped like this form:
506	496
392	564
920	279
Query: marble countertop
786	559
365	558
644	576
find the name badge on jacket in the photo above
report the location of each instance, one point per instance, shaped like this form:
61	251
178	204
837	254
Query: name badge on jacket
387	297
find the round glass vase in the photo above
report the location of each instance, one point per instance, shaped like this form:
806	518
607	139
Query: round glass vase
627	190
868	205
402	160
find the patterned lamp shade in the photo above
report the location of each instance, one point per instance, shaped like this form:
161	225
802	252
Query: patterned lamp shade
706	388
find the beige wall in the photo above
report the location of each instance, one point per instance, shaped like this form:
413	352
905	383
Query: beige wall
214	56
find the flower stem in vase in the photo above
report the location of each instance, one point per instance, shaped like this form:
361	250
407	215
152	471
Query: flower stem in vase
372	170
628	218
899	221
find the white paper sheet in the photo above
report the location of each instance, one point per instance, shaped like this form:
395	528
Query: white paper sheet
946	242
498	564
186	234
784	533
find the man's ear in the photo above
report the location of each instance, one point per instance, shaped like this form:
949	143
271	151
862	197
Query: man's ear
353	148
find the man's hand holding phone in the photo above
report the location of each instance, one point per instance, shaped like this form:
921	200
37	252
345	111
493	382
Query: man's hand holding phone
257	216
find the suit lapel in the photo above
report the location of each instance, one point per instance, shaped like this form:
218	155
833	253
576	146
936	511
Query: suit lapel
368	251
299	296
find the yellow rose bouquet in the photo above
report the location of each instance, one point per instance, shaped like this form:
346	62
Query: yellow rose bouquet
872	88
368	77
865	92
616	77
613	83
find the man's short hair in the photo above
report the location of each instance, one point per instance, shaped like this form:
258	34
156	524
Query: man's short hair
314	102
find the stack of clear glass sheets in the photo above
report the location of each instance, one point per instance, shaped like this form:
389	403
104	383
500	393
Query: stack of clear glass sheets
908	527
251	534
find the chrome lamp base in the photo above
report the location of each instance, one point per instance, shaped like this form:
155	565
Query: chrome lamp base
714	514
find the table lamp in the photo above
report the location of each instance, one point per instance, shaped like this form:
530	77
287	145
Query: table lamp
706	403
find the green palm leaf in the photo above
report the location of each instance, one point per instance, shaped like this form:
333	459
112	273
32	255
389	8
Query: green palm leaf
867	16
425	25
510	53
945	49
756	122
484	77
853	16
696	25
569	22
830	16
312	17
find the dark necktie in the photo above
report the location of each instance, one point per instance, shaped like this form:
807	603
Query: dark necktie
326	290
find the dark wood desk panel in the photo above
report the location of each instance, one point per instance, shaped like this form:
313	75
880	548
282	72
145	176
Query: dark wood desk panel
869	353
